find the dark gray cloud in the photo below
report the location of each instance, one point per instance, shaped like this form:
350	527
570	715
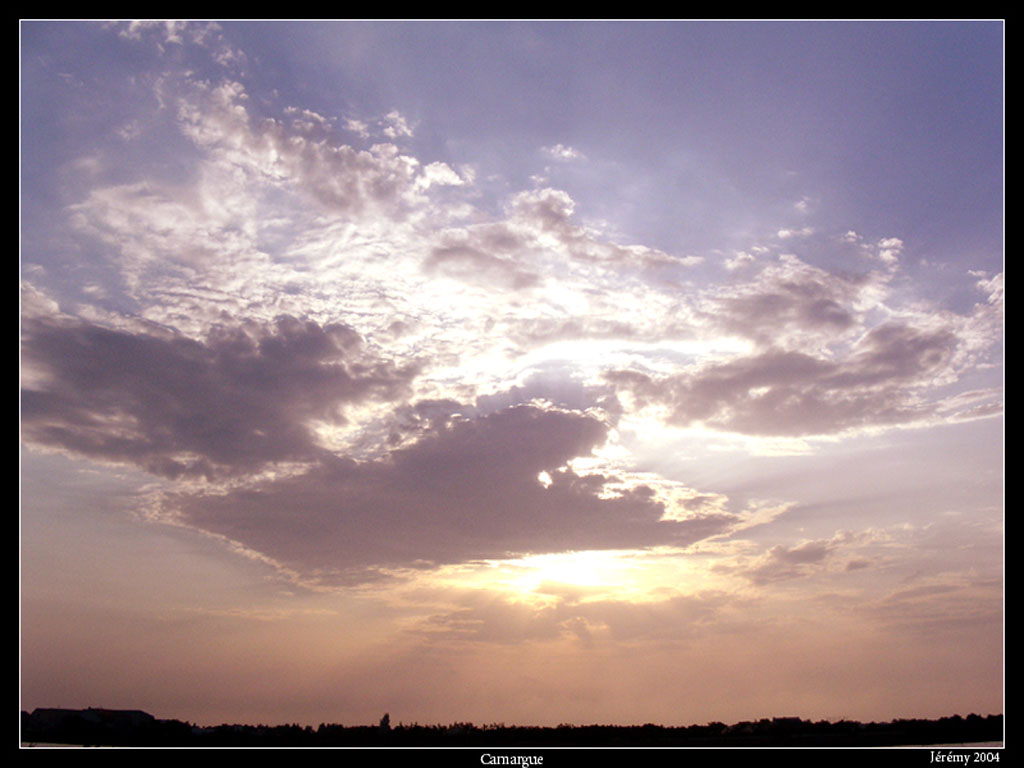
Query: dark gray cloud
178	407
551	384
467	490
779	392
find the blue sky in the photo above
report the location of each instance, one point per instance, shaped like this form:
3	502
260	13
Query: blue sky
520	345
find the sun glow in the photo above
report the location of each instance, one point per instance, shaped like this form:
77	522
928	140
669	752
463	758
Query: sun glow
604	569
583	576
630	575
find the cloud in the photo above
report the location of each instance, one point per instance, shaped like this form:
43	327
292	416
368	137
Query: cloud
468	489
439	174
278	216
244	397
946	603
150	232
889	250
531	243
180	33
786	234
829	355
808	558
544	218
343	179
788	393
993	287
545	331
266	198
357	127
563	153
488	254
396	126
790	303
781	563
741	259
574	614
174	31
473	265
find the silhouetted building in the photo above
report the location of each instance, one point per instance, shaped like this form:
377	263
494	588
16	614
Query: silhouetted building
113	718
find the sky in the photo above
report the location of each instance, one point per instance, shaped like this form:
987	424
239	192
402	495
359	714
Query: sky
521	372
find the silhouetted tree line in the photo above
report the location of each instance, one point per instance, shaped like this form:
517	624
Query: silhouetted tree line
134	728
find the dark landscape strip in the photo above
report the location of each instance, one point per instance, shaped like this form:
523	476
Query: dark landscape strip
136	728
